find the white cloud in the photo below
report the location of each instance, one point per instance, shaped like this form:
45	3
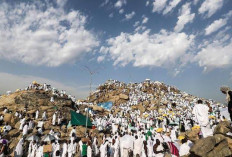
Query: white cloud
120	3
210	7
136	24
165	49
222	34
39	34
195	2
100	58
216	54
145	20
216	25
121	11
184	17
147	3
229	14
61	3
129	16
172	4
104	3
230	76
111	15
159	5
12	82
140	28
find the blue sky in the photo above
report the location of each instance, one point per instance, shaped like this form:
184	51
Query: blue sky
184	43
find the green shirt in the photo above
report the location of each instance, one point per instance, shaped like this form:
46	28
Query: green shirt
46	155
84	149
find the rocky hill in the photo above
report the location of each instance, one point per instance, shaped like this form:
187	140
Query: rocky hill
149	94
26	102
144	96
33	100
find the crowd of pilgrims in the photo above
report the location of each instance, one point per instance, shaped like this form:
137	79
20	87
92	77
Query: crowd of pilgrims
129	133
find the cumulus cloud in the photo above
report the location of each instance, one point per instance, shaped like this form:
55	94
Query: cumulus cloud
41	34
164	49
129	16
147	3
216	54
12	82
210	7
120	3
111	15
172	4
100	58
61	3
184	17
145	19
121	11
159	5
195	2
104	3
216	25
136	24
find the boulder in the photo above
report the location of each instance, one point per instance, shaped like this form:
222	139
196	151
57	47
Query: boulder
123	96
31	111
219	138
223	128
97	108
45	108
221	150
139	107
193	135
47	125
17	125
14	133
7	117
13	143
203	146
229	140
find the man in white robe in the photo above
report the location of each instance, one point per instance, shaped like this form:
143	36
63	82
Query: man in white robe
25	129
150	144
44	116
202	118
65	149
37	114
39	151
184	148
19	148
103	149
89	151
54	119
138	145
70	149
22	122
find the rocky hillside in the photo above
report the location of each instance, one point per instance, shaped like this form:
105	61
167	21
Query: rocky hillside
148	93
33	100
27	102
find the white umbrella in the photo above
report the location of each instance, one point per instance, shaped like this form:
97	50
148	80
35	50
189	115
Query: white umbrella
32	138
127	142
48	138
